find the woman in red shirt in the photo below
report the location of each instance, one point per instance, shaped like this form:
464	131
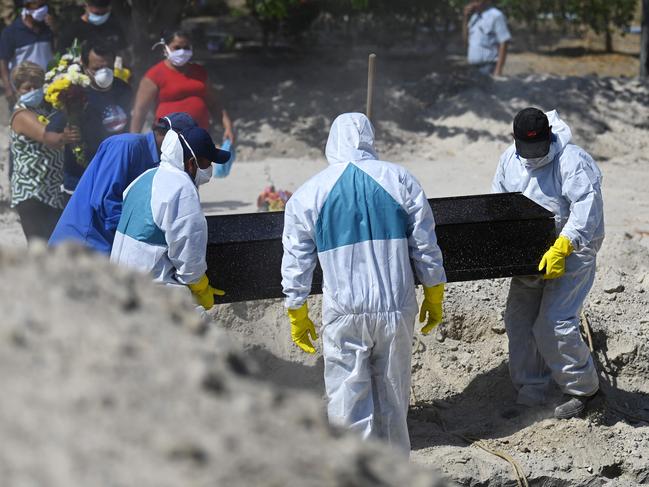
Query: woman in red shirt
177	85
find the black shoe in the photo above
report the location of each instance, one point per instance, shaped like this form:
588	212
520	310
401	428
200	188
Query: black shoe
572	407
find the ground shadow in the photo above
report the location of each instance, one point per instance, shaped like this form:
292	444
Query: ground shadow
615	404
299	94
230	205
486	408
580	51
286	373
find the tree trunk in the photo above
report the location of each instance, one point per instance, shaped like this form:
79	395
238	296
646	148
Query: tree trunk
644	48
609	39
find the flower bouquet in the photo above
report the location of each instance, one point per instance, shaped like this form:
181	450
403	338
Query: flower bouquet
64	90
272	200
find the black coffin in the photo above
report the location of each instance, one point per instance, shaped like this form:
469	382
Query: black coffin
481	237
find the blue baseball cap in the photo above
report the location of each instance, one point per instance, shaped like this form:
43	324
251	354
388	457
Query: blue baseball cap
202	145
178	122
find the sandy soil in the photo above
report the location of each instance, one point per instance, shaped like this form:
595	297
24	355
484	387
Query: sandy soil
449	129
112	381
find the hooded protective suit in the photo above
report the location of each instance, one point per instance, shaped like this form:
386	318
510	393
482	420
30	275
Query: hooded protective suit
542	316
162	230
364	220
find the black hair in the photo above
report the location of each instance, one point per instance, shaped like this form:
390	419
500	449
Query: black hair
161	126
169	35
100	48
99	3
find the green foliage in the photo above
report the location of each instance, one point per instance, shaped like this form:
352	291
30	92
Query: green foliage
599	15
291	17
270	10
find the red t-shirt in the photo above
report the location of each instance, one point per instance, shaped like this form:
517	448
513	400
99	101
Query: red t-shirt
181	91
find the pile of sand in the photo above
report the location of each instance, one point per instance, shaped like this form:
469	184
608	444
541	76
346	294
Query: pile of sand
110	380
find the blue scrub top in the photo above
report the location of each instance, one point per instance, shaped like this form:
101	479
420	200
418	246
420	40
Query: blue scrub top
92	214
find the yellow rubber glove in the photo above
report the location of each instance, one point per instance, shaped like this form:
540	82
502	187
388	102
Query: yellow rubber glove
301	328
204	293
554	260
431	306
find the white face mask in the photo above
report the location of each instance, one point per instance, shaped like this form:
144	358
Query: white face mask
538	162
179	57
32	98
203	175
38	14
104	78
96	19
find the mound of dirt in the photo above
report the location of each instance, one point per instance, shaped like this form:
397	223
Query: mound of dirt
462	391
110	380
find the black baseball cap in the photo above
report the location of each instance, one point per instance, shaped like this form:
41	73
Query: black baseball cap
532	133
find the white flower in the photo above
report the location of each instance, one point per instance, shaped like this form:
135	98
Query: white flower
74	68
49	75
67	57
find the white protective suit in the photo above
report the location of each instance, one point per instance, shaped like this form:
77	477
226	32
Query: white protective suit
542	316
162	230
364	220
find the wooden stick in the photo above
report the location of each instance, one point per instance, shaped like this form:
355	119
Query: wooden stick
371	70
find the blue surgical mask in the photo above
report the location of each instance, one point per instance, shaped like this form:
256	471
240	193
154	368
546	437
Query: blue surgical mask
32	98
96	19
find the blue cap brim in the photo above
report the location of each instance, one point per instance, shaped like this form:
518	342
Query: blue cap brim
221	156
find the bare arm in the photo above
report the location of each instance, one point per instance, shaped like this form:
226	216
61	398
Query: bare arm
26	123
502	57
4	73
147	92
228	127
216	108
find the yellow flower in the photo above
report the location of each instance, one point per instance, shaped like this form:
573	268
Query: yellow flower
43	119
123	73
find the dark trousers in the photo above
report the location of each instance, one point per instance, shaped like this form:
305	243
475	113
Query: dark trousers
37	219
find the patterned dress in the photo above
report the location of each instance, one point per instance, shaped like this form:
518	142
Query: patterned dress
38	169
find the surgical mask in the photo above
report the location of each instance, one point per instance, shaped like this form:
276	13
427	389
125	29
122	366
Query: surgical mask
203	175
96	19
538	162
104	78
38	14
33	98
179	57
